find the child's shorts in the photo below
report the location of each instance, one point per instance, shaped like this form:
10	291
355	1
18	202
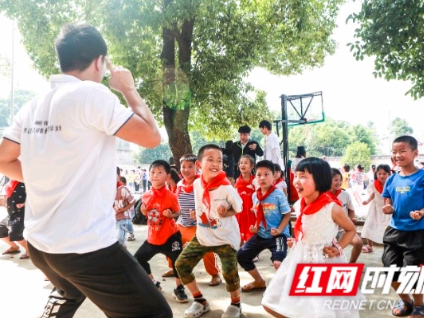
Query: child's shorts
403	248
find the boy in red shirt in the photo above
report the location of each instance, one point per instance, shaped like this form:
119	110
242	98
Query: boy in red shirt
160	206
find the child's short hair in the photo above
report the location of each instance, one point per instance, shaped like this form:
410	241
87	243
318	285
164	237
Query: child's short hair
206	147
160	163
384	167
123	180
346	167
335	172
320	170
265	164
248	157
175	176
277	168
188	157
409	140
265	123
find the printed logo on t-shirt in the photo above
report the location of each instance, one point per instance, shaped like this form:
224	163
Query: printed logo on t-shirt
154	219
176	246
402	190
208	222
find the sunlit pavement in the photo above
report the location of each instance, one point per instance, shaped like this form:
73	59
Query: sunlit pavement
24	292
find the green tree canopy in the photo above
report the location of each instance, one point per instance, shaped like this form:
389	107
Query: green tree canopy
393	32
21	96
357	153
190	57
399	127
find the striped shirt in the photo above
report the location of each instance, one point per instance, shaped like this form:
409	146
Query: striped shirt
186	202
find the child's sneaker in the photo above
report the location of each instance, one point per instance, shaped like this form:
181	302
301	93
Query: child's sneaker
196	310
180	295
232	312
131	237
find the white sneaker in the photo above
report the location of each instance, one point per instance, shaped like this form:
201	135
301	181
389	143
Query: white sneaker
196	310
232	312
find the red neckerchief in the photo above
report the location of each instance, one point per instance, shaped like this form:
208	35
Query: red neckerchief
10	187
335	196
183	185
119	184
277	181
219	180
260	216
378	186
312	208
243	183
158	195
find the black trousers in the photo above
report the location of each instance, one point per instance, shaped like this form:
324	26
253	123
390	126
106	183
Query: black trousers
111	278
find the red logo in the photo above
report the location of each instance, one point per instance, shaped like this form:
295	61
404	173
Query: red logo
326	280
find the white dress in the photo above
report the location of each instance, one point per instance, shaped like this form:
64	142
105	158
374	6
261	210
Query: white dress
376	222
319	231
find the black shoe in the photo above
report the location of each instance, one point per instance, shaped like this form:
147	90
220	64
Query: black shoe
180	295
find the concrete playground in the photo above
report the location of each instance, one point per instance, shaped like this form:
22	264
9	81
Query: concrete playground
24	292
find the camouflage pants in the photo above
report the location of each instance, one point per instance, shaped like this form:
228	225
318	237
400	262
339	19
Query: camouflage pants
194	252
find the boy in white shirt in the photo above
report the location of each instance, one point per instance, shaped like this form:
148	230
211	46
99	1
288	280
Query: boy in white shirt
216	203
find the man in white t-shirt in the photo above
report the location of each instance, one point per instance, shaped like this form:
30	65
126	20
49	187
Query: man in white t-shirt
272	151
62	143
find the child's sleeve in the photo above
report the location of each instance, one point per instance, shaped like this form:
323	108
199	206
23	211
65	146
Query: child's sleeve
350	205
234	199
283	204
175	206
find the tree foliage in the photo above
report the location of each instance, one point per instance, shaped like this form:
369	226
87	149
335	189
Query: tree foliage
191	57
21	96
399	127
357	153
393	32
330	138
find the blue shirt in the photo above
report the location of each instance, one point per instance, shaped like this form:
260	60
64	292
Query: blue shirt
274	206
407	195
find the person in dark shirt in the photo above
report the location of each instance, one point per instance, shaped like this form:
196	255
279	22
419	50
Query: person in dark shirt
245	146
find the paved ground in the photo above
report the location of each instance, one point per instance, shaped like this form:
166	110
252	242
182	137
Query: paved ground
23	291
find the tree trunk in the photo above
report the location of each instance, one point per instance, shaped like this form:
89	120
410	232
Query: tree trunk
176	118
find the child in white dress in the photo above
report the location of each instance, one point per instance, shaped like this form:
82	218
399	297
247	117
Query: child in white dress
376	222
315	230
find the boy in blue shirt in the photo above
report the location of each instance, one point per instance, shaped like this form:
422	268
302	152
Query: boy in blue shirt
272	216
404	237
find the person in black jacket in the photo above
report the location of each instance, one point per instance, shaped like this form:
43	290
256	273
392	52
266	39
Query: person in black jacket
245	146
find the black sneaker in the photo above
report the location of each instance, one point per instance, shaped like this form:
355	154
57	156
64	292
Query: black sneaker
180	295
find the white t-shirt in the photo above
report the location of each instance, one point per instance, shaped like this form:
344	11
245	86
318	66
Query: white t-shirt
217	231
272	150
68	155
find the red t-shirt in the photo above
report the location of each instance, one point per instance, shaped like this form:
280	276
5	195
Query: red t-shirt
160	227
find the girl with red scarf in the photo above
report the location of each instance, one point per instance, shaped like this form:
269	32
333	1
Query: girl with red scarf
344	199
246	186
376	221
315	231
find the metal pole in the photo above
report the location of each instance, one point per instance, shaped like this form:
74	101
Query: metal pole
12	80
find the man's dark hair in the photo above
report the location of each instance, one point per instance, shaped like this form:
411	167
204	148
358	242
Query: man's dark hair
265	123
266	164
79	45
320	171
160	163
118	171
244	129
408	140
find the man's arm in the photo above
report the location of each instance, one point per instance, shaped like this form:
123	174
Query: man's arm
141	128
10	165
258	151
